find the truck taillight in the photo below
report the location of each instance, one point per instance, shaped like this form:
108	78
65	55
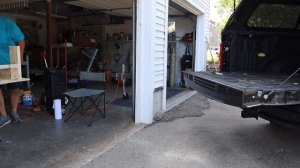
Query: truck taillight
221	57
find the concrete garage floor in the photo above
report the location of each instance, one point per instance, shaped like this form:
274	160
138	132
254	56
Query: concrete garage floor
40	141
207	134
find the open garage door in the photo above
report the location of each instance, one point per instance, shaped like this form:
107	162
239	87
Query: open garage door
78	29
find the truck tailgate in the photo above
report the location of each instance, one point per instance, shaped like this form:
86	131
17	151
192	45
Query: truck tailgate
246	90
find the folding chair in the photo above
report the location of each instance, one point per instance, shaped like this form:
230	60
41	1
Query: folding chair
93	96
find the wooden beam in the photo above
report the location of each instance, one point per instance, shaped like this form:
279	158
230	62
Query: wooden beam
15	59
49	32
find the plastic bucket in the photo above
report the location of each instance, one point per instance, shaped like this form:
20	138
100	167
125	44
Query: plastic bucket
27	100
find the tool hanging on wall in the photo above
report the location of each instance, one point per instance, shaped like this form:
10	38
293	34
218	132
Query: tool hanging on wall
43	56
92	57
129	60
117	56
106	56
123	78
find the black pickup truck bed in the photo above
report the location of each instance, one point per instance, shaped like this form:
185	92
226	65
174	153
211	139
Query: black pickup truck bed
246	90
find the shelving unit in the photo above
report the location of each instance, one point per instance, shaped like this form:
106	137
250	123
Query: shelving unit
112	36
87	30
90	30
12	73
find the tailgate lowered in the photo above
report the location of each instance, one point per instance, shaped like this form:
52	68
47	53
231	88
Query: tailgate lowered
245	90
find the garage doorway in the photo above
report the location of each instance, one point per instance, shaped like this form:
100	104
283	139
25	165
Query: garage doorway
181	52
82	26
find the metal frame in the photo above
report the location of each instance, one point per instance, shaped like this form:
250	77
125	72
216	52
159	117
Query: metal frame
94	102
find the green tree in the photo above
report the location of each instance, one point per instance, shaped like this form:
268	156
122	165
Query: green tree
226	6
225	9
275	16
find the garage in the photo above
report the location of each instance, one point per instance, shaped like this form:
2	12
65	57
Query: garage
69	44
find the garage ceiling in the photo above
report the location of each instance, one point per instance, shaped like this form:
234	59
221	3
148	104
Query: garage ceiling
13	4
114	7
62	7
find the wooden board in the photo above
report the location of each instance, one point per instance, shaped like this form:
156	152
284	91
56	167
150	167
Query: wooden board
6	81
12	73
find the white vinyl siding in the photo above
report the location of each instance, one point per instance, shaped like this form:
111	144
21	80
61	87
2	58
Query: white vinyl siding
151	52
206	8
160	43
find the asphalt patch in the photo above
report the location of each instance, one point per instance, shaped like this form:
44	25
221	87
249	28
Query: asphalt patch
193	107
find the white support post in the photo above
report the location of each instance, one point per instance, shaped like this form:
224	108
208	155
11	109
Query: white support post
200	56
164	97
144	62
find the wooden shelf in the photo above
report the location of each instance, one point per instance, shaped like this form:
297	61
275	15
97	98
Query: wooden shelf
9	66
6	81
12	73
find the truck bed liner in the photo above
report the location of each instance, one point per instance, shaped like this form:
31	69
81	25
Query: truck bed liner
246	89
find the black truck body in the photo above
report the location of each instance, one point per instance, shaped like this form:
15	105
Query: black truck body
259	62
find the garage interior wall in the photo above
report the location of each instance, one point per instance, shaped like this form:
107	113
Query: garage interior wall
42	31
201	9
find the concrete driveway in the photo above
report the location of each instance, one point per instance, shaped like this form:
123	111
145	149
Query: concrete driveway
218	138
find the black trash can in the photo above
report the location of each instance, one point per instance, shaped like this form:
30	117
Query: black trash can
54	87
